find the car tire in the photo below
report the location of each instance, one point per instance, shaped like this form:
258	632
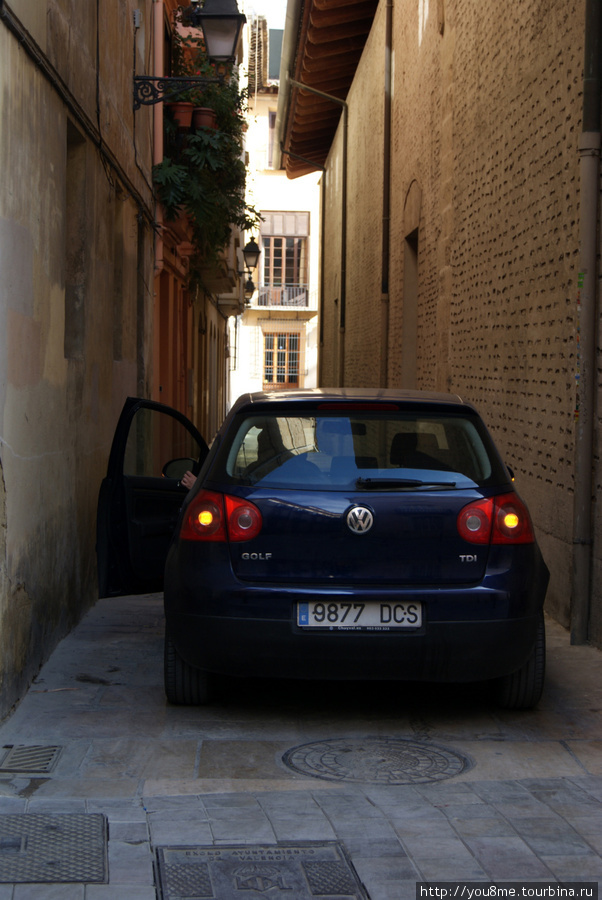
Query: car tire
184	685
522	689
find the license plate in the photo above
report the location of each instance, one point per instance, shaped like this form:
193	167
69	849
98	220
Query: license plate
352	615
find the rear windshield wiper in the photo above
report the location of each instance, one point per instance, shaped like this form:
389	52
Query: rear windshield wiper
401	484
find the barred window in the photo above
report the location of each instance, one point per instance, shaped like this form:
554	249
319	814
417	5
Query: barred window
281	359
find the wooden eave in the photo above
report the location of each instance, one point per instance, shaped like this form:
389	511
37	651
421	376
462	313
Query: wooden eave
331	38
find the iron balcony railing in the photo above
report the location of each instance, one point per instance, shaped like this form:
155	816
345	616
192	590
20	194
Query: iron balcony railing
290	295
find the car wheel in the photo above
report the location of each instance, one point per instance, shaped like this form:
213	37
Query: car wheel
184	685
522	689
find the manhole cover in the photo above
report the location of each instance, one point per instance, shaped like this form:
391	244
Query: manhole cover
30	759
376	761
301	869
53	849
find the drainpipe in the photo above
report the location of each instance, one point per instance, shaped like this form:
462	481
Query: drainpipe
158	69
343	300
384	294
322	303
585	409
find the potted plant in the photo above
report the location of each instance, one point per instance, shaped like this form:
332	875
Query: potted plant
189	60
182	112
203	117
203	174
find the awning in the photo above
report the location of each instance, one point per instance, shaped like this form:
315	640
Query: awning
323	43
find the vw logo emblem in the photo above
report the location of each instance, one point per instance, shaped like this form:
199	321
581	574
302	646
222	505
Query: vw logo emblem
360	519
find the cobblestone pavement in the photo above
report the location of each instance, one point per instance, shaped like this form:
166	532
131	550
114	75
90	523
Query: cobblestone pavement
488	794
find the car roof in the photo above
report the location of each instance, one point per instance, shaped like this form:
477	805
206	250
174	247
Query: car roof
311	396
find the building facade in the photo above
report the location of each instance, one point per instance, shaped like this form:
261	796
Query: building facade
191	336
274	343
452	239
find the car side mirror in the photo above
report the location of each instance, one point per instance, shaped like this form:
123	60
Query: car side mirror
511	473
176	468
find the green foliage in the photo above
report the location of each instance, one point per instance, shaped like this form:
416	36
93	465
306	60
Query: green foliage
202	173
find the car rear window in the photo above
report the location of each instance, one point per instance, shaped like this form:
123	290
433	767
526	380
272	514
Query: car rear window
358	449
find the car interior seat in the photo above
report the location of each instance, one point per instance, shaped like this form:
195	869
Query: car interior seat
415	450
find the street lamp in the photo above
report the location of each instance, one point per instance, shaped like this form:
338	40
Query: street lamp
251	254
221	23
250	257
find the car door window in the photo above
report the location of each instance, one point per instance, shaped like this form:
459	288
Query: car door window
155	439
141	496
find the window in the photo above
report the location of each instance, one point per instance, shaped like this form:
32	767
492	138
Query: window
284	237
154	438
284	261
281	359
338	452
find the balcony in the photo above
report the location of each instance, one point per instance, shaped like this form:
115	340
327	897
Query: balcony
291	295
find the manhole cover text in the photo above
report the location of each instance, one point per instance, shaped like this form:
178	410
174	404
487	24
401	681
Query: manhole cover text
304	869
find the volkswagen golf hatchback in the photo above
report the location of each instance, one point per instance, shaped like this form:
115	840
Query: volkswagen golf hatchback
354	534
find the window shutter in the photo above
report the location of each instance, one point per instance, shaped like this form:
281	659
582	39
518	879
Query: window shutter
285	224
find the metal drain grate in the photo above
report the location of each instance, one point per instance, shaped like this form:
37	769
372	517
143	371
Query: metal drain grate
376	761
303	870
38	760
53	849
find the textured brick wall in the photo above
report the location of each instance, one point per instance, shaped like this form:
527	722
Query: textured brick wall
486	120
514	248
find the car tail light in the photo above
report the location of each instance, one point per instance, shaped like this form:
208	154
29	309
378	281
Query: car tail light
220	517
244	519
496	520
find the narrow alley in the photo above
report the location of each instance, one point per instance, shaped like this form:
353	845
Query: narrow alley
384	786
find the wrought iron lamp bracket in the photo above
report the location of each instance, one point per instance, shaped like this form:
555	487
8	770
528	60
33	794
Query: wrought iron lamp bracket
150	89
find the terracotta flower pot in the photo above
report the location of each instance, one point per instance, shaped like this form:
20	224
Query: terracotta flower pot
203	117
182	113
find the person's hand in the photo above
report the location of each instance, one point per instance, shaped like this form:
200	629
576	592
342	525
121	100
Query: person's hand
188	480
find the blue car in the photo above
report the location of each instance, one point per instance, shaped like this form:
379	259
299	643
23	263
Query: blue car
351	534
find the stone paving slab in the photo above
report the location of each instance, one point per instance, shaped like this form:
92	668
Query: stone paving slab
529	807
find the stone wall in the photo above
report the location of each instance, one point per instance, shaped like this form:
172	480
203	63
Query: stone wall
76	247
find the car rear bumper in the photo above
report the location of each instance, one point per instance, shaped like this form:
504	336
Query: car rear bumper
469	632
441	651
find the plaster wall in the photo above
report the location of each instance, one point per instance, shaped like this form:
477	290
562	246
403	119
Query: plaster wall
270	190
486	110
210	365
359	361
99	78
75	257
331	345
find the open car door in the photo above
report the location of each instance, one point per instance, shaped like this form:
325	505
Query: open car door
141	496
